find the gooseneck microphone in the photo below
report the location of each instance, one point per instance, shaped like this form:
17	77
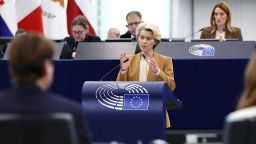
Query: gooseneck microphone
2	54
143	55
71	49
105	75
75	46
194	33
69	52
66	45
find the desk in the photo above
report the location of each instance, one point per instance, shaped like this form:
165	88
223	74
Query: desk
176	50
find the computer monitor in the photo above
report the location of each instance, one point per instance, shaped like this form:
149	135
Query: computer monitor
57	51
6	54
232	40
119	40
165	40
4	40
58	46
203	40
177	40
104	50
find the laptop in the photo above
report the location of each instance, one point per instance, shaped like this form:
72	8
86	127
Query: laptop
57	50
104	50
203	40
119	40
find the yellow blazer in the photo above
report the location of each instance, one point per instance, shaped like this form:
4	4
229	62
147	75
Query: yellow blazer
166	72
164	63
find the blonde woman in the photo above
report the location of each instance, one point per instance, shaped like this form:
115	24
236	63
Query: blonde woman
147	65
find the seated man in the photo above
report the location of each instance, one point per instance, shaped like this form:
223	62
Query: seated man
32	69
113	33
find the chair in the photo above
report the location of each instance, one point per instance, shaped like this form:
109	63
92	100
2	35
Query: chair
240	127
56	128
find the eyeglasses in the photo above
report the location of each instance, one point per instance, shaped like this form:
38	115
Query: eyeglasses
77	32
134	23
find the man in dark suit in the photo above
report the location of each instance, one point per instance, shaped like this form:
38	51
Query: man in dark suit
133	18
31	67
79	34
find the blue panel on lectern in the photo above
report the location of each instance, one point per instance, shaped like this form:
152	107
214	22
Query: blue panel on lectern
126	112
136	101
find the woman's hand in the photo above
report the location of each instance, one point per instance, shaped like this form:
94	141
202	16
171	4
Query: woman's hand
124	65
153	65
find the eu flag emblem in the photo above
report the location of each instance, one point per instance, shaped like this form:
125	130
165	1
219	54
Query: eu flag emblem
208	52
136	101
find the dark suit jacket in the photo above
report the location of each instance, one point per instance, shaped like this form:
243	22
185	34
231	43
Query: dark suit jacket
126	35
30	99
71	45
206	34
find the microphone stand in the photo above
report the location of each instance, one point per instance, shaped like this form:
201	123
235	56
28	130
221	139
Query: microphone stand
193	33
102	78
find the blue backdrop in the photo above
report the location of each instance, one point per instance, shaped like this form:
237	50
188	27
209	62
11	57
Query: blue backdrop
209	89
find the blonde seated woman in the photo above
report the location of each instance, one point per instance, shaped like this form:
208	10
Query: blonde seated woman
154	67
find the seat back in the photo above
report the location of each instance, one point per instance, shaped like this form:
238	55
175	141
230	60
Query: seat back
57	128
240	128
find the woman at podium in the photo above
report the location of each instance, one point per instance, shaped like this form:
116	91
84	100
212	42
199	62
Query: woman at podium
147	65
221	25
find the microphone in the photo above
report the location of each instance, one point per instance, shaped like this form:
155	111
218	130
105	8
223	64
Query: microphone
72	51
194	33
144	56
66	44
147	62
2	53
75	47
105	75
73	55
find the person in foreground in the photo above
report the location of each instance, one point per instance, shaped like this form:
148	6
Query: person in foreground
154	67
79	34
32	70
248	97
247	102
221	27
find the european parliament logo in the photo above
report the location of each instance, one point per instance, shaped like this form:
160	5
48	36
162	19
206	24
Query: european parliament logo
202	50
123	97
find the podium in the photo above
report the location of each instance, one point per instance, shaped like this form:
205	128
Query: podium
127	112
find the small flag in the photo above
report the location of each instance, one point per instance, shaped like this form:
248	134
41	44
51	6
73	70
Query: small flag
136	101
8	22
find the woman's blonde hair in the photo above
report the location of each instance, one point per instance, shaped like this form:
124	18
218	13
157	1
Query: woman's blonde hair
248	97
152	28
